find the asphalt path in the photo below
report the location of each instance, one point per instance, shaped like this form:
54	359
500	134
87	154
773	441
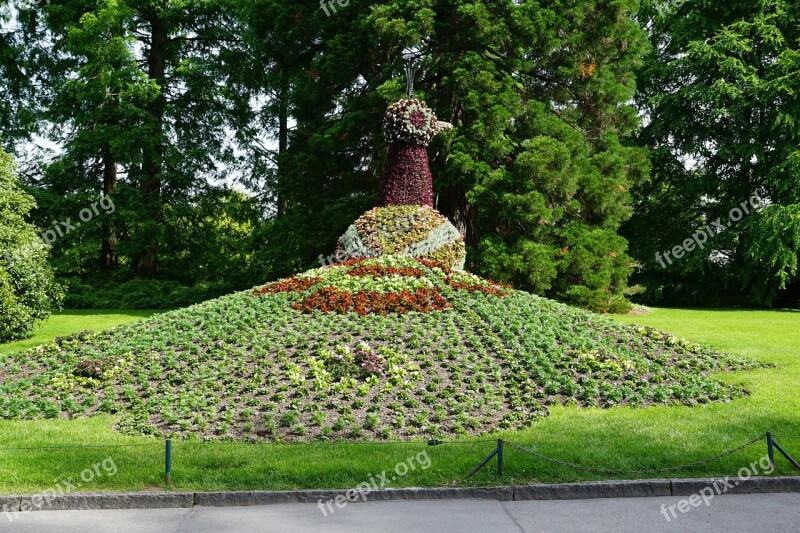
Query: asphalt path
748	513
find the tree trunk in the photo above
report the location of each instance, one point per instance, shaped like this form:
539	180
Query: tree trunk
153	151
283	143
108	258
453	204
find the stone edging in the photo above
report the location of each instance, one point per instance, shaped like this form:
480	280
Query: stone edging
562	491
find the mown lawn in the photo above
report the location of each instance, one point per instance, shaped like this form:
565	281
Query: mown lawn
72	321
618	438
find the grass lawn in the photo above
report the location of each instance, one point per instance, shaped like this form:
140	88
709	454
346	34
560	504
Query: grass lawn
618	438
68	322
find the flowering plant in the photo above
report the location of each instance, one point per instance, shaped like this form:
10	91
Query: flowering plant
343	363
94	368
332	300
413	230
411	122
379	286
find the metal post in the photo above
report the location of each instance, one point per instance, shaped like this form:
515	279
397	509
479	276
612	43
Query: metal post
786	454
168	463
483	463
500	457
770	450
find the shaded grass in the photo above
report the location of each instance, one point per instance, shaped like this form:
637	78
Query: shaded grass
618	438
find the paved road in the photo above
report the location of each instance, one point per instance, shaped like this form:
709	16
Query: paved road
772	513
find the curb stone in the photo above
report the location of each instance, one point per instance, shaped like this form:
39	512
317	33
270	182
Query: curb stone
84	501
9	503
227	499
753	485
595	489
561	491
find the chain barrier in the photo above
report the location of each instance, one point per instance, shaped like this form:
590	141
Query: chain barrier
159	444
645	471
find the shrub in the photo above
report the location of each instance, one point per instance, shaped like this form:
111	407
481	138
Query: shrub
599	301
28	291
140	294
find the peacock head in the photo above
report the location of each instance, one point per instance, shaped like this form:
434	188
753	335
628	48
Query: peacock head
412	122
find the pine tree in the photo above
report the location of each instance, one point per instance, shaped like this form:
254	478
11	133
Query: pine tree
139	95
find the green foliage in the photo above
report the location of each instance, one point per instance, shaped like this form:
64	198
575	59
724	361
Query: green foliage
135	95
144	97
28	291
139	294
622	438
535	164
719	89
213	250
536	175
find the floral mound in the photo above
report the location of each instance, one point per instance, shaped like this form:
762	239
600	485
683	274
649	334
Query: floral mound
412	230
253	366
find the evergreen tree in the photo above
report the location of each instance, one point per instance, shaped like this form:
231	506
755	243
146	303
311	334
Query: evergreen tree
139	94
719	90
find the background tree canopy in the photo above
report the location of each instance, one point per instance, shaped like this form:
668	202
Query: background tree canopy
239	139
719	90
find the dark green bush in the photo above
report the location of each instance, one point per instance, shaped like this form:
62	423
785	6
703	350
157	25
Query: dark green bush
599	301
140	294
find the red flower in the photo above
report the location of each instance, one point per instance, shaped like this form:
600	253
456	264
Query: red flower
407	179
493	289
417	118
293	284
382	271
330	299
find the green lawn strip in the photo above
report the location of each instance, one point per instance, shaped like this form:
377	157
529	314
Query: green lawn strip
71	321
618	438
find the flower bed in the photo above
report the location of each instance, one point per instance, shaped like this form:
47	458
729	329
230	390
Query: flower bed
329	299
387	284
412	230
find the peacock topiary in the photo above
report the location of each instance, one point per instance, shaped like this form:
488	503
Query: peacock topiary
405	222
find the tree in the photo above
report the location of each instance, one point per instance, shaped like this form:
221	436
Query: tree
16	115
517	79
153	98
719	90
28	291
139	95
